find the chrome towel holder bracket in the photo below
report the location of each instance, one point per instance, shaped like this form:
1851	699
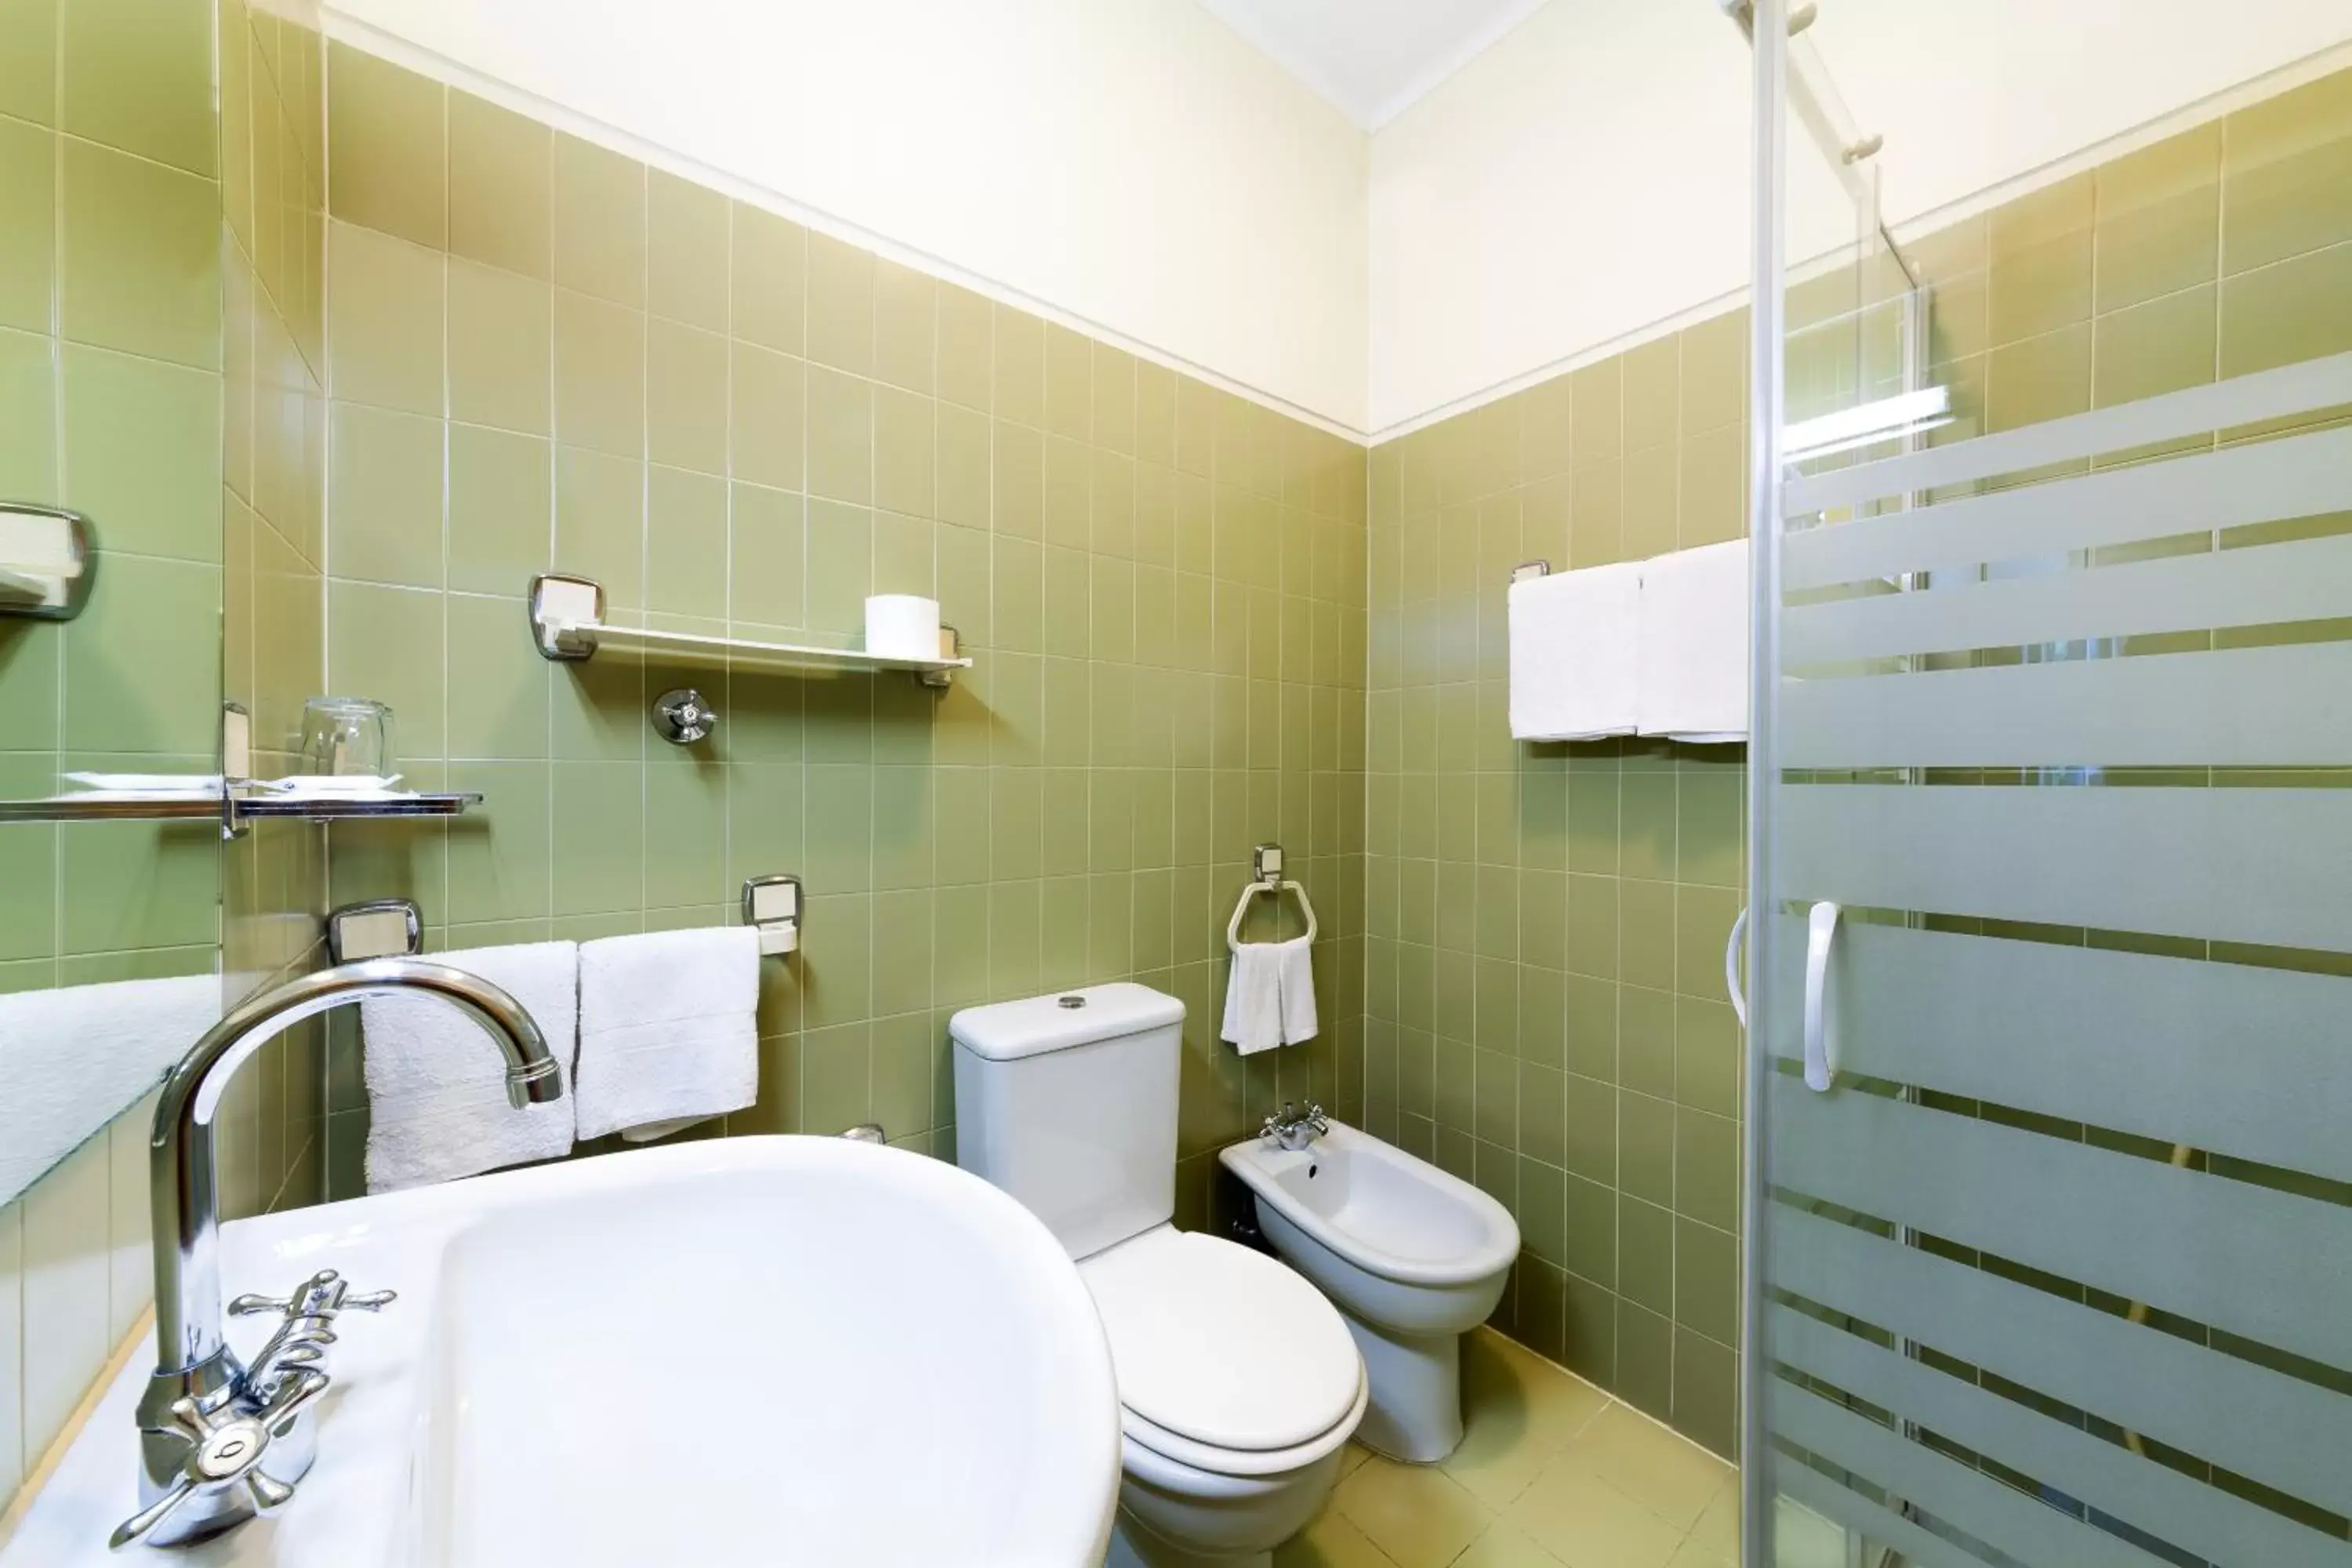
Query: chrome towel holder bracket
1265	863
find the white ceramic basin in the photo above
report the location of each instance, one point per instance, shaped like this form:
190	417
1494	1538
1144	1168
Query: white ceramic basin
744	1351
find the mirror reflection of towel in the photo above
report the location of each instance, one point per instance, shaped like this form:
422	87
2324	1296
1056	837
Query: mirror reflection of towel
71	1059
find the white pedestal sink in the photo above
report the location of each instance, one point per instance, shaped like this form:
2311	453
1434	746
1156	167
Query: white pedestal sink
745	1351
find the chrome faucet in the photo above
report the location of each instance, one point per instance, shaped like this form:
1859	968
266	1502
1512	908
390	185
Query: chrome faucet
220	1442
1293	1133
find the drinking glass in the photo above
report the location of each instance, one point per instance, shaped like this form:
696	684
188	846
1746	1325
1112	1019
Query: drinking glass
347	736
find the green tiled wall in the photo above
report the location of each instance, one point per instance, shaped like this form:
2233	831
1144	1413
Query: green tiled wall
542	355
1544	924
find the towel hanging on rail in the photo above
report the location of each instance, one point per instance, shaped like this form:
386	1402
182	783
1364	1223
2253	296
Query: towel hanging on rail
1270	991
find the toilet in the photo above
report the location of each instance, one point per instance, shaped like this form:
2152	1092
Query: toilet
1239	1384
1413	1256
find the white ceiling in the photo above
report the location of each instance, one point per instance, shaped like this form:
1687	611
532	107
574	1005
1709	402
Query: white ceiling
1371	59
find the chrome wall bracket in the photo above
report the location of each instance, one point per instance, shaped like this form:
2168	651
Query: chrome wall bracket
771	905
48	561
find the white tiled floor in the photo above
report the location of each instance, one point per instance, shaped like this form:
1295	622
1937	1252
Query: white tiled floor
1552	1474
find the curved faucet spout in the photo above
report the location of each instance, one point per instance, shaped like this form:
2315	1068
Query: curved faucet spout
182	1174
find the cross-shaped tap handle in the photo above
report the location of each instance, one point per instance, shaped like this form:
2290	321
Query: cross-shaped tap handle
323	1294
225	1447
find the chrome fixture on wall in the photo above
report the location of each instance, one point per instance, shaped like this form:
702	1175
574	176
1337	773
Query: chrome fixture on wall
380	928
771	905
48	562
683	717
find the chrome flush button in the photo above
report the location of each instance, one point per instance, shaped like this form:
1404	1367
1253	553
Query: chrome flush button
1071	1001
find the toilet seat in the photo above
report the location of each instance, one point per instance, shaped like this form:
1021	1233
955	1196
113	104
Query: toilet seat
1159	1447
1226	1359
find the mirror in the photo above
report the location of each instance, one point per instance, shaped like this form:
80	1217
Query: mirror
161	486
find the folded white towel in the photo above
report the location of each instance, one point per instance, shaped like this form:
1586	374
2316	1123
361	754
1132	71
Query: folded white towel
1295	961
1574	639
1254	998
71	1059
668	1029
437	1105
1694	644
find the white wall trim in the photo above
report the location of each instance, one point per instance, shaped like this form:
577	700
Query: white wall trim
1608	348
2187	117
342	27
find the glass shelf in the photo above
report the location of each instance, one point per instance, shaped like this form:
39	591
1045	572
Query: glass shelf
566	619
231	811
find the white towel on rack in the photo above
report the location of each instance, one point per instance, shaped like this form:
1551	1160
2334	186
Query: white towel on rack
1574	641
1295	959
437	1105
668	1029
1694	644
71	1060
1270	995
1254	997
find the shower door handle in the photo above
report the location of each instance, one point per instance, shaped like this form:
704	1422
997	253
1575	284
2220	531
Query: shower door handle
1820	1049
1731	968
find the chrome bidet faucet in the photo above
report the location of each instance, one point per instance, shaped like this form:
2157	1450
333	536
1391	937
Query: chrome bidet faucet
219	1441
1292	1133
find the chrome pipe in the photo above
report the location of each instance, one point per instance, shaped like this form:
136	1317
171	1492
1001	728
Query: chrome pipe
181	1167
193	1360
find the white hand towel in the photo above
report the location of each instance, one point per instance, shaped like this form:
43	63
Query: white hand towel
1294	961
1573	648
71	1059
1254	998
437	1107
668	1029
1694	644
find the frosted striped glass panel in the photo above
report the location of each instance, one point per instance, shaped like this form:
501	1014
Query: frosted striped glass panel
1989	1510
2246	865
2301	475
2285	393
2309	579
2271	707
2251	1261
2213	1523
2165	1388
1835	1499
2060	1270
2167	1048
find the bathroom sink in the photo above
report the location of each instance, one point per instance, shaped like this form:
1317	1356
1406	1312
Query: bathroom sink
843	1355
740	1351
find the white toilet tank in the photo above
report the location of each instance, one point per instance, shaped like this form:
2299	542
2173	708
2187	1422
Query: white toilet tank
1068	1103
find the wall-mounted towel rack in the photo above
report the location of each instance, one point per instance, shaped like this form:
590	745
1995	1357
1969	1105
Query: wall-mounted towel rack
567	620
1266	862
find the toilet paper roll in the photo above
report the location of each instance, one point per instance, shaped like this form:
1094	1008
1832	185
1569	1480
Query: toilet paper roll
902	625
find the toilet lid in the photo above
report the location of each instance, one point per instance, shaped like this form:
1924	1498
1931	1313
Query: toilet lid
1222	1344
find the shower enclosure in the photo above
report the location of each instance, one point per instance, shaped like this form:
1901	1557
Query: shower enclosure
2049	1209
